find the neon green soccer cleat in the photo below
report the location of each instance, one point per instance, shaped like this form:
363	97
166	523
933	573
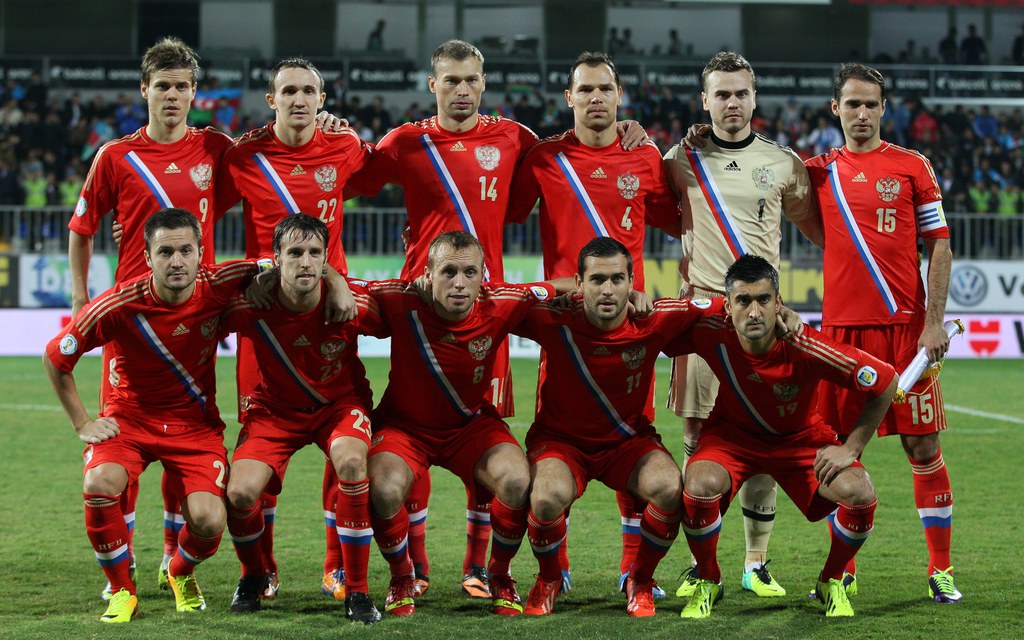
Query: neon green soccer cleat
832	595
163	582
762	583
689	582
122	608
706	594
187	596
942	589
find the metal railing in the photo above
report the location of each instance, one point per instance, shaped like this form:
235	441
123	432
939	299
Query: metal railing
378	231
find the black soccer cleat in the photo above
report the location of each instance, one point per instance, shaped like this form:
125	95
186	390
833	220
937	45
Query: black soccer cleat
247	595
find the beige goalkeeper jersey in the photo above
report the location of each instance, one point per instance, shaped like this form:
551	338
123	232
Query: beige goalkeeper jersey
737	193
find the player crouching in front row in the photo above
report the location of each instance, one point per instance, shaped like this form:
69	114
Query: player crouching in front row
162	407
764	421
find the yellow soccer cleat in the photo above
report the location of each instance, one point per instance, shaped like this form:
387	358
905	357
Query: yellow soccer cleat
832	595
122	608
762	583
706	594
187	596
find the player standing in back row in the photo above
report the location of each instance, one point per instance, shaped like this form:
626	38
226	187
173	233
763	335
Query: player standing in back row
877	200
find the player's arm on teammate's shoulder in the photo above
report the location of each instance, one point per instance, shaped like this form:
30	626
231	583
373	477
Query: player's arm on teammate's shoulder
631	134
330	123
340	304
696	136
940	261
791	324
800	204
79	257
830	460
88	430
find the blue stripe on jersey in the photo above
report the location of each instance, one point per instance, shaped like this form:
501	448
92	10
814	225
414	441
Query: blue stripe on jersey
176	367
588	380
717	204
276	182
748	406
582	196
282	357
449	185
858	239
435	367
147	176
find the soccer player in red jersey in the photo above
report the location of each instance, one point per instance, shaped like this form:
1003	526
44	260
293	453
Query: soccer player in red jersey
166	326
593	420
164	164
764	421
877	200
435	412
312	389
283	168
588	186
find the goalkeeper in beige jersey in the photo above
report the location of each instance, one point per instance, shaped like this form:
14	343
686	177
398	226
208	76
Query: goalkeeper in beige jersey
734	188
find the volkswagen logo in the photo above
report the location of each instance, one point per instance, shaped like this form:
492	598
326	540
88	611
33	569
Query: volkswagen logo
968	286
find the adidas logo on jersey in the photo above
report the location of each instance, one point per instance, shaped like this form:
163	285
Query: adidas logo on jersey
301	341
602	351
180	331
859	177
298	170
732	166
172	168
458	146
754	377
449	339
599	173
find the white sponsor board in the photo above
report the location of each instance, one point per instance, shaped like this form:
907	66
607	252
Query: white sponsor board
985	286
25	332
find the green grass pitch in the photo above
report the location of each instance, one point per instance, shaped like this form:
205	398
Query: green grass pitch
50	582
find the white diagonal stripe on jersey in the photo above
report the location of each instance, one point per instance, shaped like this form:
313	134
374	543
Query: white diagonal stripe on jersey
147	176
285	361
435	367
276	182
176	367
706	180
581	367
858	239
748	406
581	195
449	184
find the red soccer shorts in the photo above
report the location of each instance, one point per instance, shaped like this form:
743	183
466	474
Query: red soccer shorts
457	450
789	459
612	465
273	434
194	453
922	414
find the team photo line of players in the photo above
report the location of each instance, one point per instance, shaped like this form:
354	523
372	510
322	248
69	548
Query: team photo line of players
703	189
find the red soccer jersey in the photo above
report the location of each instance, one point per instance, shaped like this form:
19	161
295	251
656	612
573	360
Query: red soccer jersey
875	206
136	177
165	352
276	180
775	393
452	182
587	192
303	362
441	371
596	387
